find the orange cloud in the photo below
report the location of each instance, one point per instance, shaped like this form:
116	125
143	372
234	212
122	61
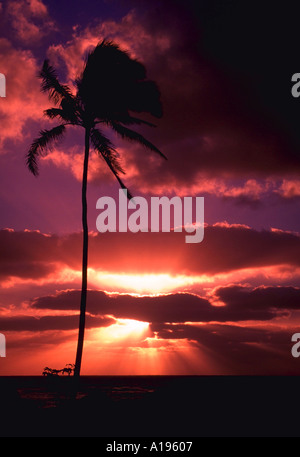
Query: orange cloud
29	19
289	188
23	101
124	32
71	159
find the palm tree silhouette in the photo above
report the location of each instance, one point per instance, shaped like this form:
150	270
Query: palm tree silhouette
111	87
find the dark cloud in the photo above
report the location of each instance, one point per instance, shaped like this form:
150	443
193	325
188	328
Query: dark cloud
212	334
40	324
227	109
241	304
238	350
164	308
224	249
260	298
31	254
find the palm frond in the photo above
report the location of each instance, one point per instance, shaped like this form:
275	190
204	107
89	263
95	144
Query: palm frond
122	185
68	112
131	135
107	82
53	113
41	144
105	148
51	84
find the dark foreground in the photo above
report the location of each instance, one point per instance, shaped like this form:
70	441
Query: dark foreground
200	406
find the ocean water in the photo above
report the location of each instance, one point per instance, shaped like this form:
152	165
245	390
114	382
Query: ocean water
149	406
51	392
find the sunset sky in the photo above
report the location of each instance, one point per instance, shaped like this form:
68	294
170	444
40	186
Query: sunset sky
231	132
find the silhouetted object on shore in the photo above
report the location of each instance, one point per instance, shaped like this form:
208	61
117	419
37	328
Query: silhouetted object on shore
111	87
69	369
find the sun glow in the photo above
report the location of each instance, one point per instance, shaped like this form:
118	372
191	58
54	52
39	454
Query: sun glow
149	284
124	330
129	348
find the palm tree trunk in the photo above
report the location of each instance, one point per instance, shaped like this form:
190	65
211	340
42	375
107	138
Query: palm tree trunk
84	257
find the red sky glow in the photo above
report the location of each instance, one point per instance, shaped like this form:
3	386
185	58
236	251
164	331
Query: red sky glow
156	304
